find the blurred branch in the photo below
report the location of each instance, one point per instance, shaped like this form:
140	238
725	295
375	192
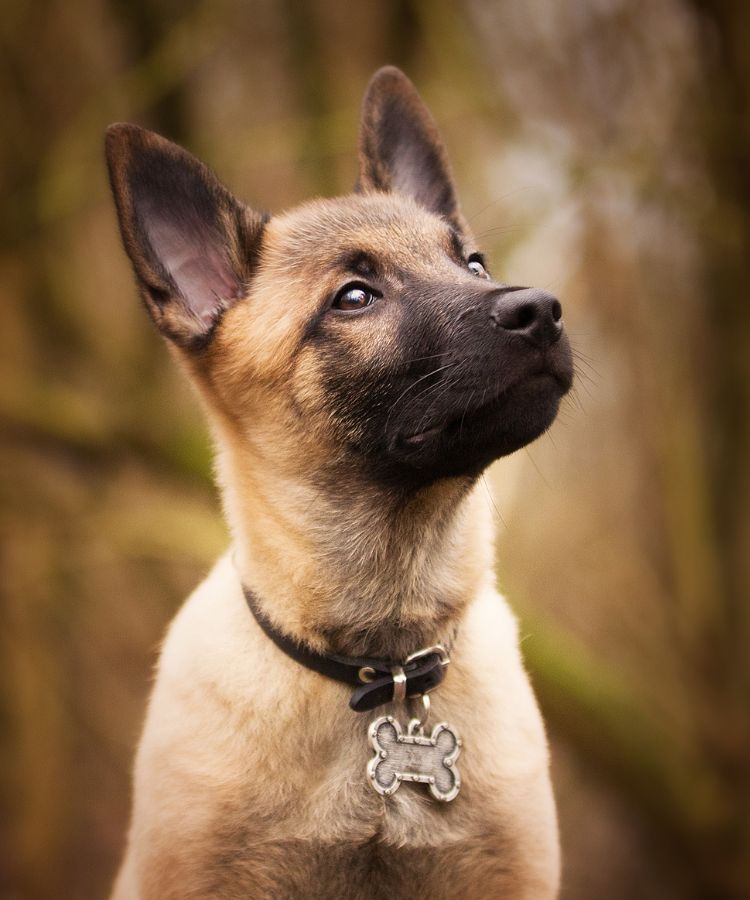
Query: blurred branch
69	422
590	706
691	809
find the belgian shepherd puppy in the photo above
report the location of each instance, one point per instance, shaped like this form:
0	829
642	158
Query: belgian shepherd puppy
359	368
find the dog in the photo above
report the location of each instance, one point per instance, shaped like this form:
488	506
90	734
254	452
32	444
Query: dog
359	369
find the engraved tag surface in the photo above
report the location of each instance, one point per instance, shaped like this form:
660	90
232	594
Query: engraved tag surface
414	757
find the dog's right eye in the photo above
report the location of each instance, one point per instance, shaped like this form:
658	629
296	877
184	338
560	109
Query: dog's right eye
353	297
476	266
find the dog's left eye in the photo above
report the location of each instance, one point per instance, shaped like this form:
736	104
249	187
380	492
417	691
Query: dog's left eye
353	297
476	266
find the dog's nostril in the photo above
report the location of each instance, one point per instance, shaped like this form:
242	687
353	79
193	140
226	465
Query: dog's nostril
556	311
524	316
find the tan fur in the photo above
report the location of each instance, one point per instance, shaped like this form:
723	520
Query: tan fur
250	775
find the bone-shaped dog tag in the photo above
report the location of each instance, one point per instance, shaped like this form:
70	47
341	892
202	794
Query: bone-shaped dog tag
414	757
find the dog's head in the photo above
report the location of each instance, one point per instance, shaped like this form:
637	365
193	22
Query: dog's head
363	332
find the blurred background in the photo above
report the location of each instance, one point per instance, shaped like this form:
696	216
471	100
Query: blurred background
602	149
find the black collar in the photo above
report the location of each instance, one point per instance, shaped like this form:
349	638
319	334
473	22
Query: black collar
377	681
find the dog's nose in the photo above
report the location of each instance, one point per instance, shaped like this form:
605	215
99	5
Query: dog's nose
529	312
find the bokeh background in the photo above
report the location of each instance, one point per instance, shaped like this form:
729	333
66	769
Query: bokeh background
602	148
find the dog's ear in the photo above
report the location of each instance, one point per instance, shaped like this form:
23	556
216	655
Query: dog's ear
193	246
400	148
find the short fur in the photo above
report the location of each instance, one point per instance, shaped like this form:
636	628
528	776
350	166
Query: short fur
349	443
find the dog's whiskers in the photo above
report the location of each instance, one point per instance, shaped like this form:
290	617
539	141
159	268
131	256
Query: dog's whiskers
413	385
426	414
466	409
491	497
431	356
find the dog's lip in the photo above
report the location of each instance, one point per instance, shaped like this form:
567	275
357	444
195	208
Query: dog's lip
420	437
437	427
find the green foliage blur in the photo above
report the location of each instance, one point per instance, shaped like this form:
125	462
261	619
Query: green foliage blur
602	148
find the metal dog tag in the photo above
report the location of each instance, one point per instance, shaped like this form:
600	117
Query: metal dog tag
414	757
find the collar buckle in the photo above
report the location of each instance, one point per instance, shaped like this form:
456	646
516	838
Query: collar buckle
436	649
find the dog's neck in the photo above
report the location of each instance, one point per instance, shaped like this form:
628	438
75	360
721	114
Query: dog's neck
360	572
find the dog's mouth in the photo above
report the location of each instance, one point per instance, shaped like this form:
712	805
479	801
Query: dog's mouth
420	437
492	408
464	423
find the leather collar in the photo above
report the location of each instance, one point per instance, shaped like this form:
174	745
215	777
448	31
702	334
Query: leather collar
376	681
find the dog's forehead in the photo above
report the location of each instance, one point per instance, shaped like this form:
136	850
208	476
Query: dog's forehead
387	227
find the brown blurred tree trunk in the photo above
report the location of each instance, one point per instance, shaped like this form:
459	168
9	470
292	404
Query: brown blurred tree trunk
725	665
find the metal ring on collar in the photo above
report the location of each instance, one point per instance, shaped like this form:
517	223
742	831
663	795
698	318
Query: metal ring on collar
437	650
367	674
399	684
417	722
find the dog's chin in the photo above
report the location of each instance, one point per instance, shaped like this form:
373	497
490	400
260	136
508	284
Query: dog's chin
464	443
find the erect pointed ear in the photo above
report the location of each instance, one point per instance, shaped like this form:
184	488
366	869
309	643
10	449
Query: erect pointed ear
400	148
193	246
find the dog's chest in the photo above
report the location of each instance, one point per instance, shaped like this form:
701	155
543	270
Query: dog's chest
319	783
274	793
370	870
333	836
328	834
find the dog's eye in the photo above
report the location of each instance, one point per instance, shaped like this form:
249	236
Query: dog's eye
353	297
476	266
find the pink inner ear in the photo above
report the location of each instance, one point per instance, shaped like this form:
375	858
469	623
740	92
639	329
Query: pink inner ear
411	169
199	269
